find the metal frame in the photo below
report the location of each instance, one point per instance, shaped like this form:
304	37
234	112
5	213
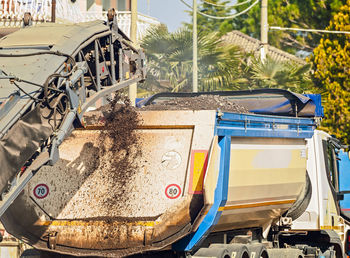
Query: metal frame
248	125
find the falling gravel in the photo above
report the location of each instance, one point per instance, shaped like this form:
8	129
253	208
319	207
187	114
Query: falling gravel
119	135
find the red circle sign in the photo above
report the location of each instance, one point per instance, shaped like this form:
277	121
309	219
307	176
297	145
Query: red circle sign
41	191
173	191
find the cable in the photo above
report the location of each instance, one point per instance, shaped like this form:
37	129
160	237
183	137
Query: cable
38	85
57	53
310	30
19	87
34	84
222	5
46	84
226	17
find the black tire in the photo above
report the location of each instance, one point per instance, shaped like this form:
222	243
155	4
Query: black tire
302	202
258	250
235	250
212	252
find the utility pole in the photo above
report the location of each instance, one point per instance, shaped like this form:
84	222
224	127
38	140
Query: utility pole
133	32
264	28
195	49
53	11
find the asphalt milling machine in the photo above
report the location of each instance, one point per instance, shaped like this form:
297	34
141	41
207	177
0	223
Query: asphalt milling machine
49	76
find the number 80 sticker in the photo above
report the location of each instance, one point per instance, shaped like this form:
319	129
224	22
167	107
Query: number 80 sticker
41	191
173	191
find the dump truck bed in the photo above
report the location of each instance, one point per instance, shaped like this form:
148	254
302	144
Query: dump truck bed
165	185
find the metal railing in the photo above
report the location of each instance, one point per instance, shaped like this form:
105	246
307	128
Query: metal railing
12	12
144	22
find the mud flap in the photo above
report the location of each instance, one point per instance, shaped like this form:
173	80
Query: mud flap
20	144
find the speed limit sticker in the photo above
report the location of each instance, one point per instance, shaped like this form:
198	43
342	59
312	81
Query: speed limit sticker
173	191
41	191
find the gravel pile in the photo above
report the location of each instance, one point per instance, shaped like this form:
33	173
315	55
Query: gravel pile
202	102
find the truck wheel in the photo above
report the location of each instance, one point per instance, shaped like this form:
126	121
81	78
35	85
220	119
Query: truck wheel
212	252
302	202
235	250
258	251
239	251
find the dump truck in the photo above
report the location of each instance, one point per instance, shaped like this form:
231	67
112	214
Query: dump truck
195	183
79	177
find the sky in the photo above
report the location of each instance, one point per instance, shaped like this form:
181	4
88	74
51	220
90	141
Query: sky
170	12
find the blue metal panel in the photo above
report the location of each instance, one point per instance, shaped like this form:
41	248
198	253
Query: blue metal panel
220	199
137	100
316	99
248	125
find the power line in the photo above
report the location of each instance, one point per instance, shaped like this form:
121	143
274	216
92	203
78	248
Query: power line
223	17
223	5
310	30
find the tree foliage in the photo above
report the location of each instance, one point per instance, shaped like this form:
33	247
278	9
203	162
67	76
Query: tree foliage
275	74
169	60
311	14
332	74
208	25
220	66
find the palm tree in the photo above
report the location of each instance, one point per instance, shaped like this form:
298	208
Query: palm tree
220	66
169	61
275	74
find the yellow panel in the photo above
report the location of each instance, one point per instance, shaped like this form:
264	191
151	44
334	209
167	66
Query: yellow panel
244	172
198	168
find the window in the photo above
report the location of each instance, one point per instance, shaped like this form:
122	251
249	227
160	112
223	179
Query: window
121	6
331	164
106	4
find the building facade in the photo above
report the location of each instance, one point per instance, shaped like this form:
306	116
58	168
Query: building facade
72	11
104	5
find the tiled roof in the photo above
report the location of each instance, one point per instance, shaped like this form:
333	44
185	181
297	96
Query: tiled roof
249	44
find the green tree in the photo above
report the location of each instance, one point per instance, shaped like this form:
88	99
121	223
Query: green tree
209	25
169	61
311	14
332	74
275	74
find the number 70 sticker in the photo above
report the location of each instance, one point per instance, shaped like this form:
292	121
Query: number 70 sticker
41	191
173	191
